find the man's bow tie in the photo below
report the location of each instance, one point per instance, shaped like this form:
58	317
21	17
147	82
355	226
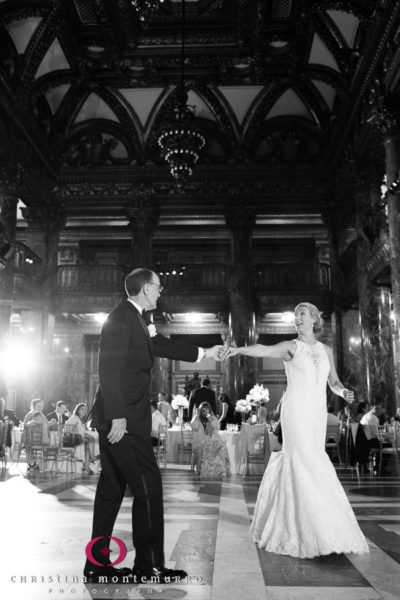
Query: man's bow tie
147	316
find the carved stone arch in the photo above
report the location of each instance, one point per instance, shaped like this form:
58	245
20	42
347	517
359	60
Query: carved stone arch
329	76
130	123
217	149
9	59
70	106
224	115
42	38
287	140
362	10
155	111
50	81
313	101
327	30
93	143
267	102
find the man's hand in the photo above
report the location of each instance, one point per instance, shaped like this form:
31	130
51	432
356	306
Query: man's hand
213	352
117	431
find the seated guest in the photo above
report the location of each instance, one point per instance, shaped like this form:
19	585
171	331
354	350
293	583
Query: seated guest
58	416
396	418
85	451
8	416
163	405
228	414
210	453
361	410
157	419
368	430
332	419
36	406
165	408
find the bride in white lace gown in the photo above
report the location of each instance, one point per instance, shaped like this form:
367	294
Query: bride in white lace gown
302	509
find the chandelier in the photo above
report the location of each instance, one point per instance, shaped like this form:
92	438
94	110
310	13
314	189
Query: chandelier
145	9
181	142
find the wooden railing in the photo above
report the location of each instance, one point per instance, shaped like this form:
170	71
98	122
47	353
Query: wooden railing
90	278
292	276
197	277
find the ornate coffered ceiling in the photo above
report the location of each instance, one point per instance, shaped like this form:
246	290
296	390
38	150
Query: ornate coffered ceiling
277	86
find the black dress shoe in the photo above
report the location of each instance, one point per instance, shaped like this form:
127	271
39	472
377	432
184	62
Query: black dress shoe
158	575
108	575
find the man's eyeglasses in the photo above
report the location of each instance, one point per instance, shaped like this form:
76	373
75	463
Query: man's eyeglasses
160	287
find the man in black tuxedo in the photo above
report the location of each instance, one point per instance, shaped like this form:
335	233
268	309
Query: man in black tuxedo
122	416
58	415
202	394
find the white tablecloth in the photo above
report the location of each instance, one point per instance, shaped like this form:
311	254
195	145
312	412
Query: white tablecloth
235	444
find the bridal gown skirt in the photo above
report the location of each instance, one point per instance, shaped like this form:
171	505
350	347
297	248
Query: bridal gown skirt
302	509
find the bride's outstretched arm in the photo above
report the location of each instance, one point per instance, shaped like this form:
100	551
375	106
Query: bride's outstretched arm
283	350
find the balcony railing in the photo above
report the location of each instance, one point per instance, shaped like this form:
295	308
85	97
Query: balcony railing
91	278
194	278
292	276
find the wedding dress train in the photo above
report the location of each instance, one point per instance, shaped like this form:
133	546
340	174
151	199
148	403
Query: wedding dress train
302	509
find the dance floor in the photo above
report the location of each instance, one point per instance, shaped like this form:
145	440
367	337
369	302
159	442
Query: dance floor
46	525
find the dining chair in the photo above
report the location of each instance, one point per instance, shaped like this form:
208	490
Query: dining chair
161	450
332	439
3	438
389	444
185	448
35	446
67	453
254	444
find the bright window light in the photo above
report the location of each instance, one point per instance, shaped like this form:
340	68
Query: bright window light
287	317
19	358
100	317
193	317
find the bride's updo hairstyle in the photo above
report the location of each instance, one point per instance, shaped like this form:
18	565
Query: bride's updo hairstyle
315	314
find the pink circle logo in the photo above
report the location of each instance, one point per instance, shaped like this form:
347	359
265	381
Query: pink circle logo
106	551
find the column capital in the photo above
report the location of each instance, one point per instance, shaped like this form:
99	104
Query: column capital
240	217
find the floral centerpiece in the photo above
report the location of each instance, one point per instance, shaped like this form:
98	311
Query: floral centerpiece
257	395
243	406
179	403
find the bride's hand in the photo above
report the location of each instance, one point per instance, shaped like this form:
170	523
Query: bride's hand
228	352
348	395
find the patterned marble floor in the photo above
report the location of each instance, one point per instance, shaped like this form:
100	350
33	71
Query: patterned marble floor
46	524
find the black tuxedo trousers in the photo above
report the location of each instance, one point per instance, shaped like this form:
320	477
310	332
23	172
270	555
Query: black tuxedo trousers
130	462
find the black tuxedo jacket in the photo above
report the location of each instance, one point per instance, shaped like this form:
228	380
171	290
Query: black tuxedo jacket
199	395
53	415
126	357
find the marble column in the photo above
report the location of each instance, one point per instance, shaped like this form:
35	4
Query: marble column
8	220
45	222
161	379
373	308
241	219
143	218
392	156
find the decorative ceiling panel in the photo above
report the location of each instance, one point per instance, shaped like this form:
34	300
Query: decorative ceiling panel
21	32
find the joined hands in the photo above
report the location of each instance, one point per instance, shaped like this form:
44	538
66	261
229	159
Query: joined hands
220	352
